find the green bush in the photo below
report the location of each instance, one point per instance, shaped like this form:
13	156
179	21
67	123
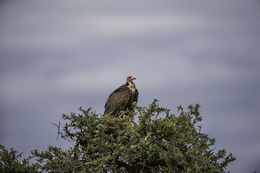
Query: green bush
158	141
12	162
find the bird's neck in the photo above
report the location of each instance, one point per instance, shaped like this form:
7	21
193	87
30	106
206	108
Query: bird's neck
131	86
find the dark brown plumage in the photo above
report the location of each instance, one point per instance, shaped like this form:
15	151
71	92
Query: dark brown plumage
122	98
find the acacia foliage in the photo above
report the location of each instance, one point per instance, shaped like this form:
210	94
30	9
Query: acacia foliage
149	140
11	162
158	141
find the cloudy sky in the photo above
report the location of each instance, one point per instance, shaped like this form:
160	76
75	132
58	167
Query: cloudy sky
56	56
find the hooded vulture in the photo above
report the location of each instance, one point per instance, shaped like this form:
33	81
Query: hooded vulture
122	98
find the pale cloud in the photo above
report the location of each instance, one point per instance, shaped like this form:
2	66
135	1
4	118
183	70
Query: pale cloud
114	25
77	30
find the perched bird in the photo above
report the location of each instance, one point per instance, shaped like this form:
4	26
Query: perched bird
122	98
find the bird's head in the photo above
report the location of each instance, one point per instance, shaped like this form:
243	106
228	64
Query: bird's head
130	79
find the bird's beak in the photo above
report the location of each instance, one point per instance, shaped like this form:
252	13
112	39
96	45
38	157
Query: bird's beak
133	78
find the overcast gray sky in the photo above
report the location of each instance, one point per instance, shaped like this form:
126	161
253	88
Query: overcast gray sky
59	55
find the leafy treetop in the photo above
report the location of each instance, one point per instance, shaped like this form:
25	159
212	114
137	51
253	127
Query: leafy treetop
158	141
